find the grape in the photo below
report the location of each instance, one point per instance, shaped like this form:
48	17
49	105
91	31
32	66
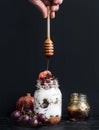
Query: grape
47	80
25	118
29	111
20	119
42	118
40	123
30	118
16	114
34	122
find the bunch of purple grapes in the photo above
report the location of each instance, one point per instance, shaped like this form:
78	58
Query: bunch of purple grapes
27	117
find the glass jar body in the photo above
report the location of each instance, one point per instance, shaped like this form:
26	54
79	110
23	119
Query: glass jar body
78	109
49	103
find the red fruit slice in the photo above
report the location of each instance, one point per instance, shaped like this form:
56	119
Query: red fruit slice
41	75
45	74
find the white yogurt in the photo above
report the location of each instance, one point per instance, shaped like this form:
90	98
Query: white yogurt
48	102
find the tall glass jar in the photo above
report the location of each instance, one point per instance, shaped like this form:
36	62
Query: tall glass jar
48	97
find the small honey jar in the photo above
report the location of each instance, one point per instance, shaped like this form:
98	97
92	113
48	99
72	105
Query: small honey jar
78	108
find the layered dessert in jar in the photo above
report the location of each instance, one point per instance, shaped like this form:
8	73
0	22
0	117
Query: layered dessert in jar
48	97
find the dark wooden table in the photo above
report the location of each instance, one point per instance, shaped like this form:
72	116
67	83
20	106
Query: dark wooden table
91	124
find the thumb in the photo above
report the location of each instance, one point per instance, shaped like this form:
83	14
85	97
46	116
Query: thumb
41	6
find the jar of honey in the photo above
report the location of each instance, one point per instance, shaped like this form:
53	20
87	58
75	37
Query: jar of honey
78	108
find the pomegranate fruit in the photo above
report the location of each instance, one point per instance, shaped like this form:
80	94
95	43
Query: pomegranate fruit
25	102
45	74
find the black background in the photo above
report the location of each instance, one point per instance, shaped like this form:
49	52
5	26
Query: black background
75	32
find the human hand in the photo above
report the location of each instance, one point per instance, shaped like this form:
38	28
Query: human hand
42	6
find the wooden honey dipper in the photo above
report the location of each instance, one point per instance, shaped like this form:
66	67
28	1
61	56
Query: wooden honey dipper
48	44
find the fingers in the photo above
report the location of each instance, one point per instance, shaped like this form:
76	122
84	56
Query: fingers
54	8
52	15
46	2
52	2
57	2
41	6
